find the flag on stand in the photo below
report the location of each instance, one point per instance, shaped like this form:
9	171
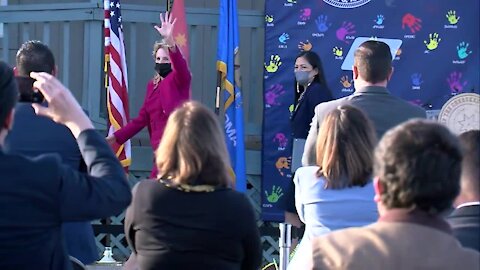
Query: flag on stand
180	31
228	65
116	81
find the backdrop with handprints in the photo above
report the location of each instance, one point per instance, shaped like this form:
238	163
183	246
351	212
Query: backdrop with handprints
439	58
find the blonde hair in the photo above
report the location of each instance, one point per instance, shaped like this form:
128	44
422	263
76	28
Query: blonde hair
345	145
157	46
192	150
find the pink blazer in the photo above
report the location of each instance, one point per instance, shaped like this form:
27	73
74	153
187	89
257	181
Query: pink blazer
159	102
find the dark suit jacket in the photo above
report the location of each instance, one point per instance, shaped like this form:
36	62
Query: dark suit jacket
383	109
465	223
34	135
39	194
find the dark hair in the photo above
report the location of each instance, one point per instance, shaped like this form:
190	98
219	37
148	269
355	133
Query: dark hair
344	146
8	92
34	56
470	142
418	165
314	60
373	60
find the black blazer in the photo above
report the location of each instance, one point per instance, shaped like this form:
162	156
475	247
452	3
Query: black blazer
38	194
172	229
34	135
465	223
302	116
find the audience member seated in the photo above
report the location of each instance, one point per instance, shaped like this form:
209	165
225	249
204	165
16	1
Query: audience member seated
39	194
372	70
338	192
465	219
189	217
48	137
417	177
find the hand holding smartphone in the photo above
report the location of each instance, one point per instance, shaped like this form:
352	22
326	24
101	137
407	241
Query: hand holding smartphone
28	93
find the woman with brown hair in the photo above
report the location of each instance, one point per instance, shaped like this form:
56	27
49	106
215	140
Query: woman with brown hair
189	217
338	192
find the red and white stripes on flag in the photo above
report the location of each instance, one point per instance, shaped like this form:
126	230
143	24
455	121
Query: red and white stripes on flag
116	81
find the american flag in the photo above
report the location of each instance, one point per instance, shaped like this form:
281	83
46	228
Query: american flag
116	81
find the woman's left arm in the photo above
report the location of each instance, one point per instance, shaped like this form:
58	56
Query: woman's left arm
181	73
179	90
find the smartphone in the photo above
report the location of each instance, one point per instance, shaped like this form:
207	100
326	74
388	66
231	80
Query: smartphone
28	93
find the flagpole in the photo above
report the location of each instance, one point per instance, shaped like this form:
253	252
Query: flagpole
217	94
107	255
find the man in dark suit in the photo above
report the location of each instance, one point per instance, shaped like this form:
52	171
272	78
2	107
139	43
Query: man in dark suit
465	219
372	69
48	137
39	194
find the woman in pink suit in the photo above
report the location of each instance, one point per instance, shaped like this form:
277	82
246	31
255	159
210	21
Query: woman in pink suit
169	88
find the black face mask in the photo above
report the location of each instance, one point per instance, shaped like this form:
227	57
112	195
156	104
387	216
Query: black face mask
163	69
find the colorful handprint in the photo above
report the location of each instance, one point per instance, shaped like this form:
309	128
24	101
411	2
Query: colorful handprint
269	18
416	79
281	139
412	22
462	50
452	17
275	62
455	83
305	46
275	195
283	38
347	28
432	44
305	14
282	164
338	51
417	102
291	108
346	82
273	93
399	52
322	24
380	19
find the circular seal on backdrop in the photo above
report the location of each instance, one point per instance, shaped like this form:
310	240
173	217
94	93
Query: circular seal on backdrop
346	3
461	113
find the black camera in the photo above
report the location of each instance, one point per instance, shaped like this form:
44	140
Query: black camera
28	93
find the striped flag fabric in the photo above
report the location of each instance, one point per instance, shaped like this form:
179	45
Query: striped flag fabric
116	78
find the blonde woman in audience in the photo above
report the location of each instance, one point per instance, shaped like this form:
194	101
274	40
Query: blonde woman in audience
189	217
338	192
